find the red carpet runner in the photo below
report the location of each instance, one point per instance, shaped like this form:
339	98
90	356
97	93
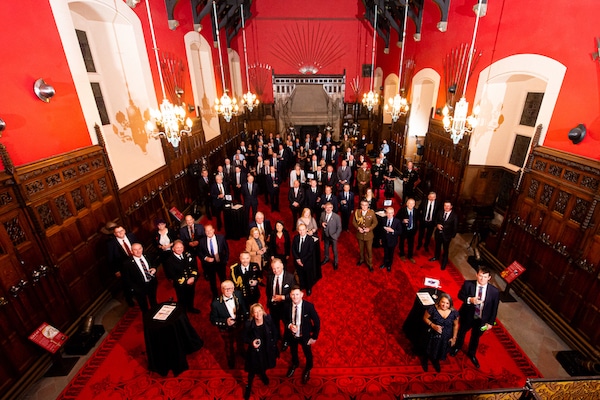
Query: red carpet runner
361	353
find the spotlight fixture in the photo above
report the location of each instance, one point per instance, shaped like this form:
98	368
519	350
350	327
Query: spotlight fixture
43	91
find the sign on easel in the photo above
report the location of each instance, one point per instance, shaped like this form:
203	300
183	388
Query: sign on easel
48	337
510	273
176	213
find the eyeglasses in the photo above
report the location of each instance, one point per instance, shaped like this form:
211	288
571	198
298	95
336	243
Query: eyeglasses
228	288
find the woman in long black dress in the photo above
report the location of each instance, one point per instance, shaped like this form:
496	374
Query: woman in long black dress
261	335
442	320
389	178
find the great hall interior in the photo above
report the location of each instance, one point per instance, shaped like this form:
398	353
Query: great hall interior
81	78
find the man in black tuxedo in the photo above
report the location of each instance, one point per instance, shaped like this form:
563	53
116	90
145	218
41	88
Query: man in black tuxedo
428	211
218	192
409	219
331	178
181	268
313	197
263	225
228	171
303	327
346	201
303	248
478	311
228	313
214	255
204	196
328	197
296	199
446	228
392	229
119	251
239	180
139	272
273	181
190	234
246	276
250	195
279	286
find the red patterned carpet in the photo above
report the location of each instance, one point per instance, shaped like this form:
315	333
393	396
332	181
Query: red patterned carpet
361	353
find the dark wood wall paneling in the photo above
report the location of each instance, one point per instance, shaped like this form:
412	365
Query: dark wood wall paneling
554	231
444	163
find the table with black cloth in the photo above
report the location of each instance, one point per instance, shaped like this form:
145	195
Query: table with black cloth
379	232
236	221
317	258
414	327
168	342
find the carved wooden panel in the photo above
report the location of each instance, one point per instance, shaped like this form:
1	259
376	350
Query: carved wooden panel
554	233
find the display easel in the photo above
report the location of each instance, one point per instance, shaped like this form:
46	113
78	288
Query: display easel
510	273
52	340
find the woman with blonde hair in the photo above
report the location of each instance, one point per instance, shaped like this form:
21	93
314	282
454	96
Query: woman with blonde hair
256	247
261	335
307	219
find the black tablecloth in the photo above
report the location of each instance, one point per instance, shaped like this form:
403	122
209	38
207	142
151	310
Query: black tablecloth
236	222
168	342
414	327
379	232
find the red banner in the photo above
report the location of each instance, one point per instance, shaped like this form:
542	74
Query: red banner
512	272
48	337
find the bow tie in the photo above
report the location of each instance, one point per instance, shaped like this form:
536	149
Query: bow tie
231	298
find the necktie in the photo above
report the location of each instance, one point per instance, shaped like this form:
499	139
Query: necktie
294	315
429	209
127	248
146	270
250	189
389	224
244	270
301	242
445	216
211	249
478	306
261	231
327	218
191	231
220	189
278	286
346	194
410	220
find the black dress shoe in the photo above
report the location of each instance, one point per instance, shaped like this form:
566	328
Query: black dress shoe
371	268
194	311
418	247
443	267
306	376
291	371
247	393
231	364
335	266
359	262
424	364
433	259
284	347
474	361
454	351
325	261
436	365
389	269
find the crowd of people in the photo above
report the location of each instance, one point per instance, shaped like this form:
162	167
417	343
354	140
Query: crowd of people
330	189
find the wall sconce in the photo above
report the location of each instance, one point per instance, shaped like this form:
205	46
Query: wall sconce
2	126
43	91
576	134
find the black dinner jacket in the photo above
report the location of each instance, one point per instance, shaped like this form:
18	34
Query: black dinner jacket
311	198
391	238
219	312
437	206
310	325
349	206
267	226
299	198
184	235
307	251
287	284
450	225
250	198
270	182
490	306
214	193
133	276
223	249
333	200
333	181
180	270
116	252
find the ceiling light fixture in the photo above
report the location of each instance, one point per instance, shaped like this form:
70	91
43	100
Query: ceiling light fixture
371	99
459	123
249	99
225	106
169	117
398	105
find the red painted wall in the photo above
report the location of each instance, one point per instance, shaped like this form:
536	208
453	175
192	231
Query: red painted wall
31	49
556	29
